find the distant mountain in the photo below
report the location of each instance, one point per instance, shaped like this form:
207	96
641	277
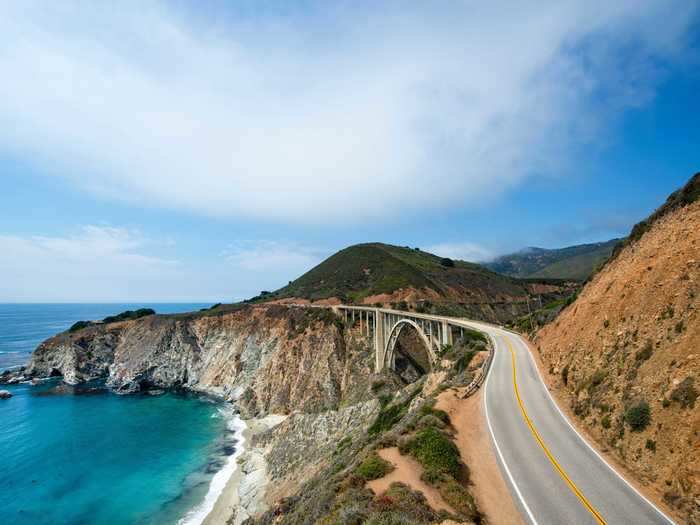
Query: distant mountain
574	262
411	278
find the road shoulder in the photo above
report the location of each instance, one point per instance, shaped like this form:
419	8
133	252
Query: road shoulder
489	488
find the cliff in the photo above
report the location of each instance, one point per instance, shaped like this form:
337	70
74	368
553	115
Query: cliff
316	413
271	359
625	353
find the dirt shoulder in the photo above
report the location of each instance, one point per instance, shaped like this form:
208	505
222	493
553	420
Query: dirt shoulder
488	486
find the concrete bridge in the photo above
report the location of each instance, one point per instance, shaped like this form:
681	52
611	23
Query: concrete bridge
384	326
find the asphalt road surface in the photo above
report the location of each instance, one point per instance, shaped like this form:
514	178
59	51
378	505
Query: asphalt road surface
555	476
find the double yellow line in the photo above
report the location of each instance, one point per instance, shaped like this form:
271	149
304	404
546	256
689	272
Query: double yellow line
549	455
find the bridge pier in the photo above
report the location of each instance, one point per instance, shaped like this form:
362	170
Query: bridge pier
382	327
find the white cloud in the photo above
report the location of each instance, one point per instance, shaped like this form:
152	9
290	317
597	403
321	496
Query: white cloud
97	263
104	263
273	257
463	251
324	117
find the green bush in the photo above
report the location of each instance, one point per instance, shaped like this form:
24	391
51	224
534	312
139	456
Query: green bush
387	418
436	452
428	409
685	393
459	499
390	415
605	422
651	445
129	315
447	262
638	416
374	467
79	326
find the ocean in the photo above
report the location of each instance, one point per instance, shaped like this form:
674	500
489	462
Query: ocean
86	456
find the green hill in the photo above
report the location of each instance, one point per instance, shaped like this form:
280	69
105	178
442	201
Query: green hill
574	262
364	270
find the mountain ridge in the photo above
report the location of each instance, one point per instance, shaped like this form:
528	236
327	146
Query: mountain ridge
577	262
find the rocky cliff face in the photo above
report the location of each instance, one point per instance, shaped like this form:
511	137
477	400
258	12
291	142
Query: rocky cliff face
626	354
271	359
300	378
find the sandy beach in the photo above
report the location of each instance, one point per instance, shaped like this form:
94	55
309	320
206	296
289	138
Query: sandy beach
244	490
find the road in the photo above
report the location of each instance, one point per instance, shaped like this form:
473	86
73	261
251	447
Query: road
555	476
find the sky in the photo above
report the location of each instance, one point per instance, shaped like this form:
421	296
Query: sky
187	151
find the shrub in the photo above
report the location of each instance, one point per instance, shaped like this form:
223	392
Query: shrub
651	445
565	375
378	385
447	262
128	315
427	409
463	362
644	353
605	422
387	418
429	420
374	467
638	416
343	444
436	452
666	403
79	326
390	415
385	399
606	323
459	499
685	393
598	377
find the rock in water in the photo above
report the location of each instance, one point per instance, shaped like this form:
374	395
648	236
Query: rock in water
5	394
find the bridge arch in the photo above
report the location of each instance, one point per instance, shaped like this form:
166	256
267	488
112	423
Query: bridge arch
390	349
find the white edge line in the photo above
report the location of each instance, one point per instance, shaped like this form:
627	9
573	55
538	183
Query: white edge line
493	439
601	458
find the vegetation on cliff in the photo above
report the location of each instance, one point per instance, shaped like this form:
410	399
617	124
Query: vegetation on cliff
127	315
407	419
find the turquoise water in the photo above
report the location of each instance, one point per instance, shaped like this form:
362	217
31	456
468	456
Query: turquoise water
86	456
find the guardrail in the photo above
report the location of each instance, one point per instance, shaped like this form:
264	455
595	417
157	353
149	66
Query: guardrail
479	380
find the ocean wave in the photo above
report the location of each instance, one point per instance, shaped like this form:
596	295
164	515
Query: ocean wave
236	425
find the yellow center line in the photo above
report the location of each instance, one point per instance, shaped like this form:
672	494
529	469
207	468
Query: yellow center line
539	439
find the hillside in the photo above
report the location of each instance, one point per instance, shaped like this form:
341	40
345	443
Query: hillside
574	262
385	274
624	356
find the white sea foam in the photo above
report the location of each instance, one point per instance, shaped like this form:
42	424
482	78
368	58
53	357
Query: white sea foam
197	515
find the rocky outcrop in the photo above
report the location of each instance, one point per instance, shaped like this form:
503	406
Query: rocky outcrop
271	359
625	354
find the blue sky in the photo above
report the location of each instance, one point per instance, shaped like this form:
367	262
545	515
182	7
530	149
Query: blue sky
159	152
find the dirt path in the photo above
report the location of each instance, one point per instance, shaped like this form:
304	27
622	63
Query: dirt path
408	471
488	486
